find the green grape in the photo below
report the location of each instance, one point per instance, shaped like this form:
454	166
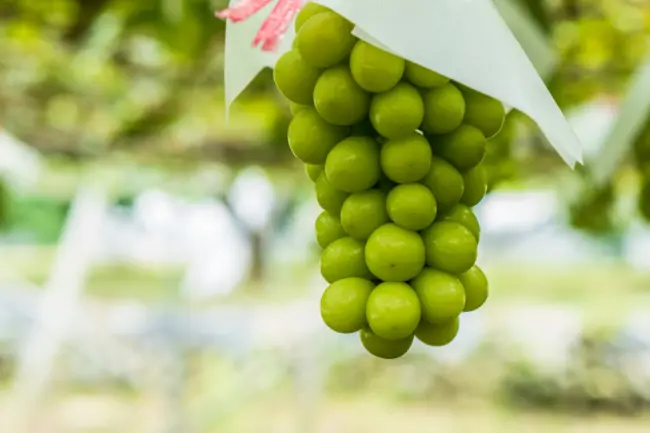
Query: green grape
382	348
395	254
464	215
344	258
393	311
483	112
397	112
364	212
423	77
328	229
445	182
339	99
476	288
325	39
295	79
407	159
353	164
444	109
475	181
311	138
308	10
328	197
412	206
442	296
464	147
374	69
438	334
450	247
343	304
313	171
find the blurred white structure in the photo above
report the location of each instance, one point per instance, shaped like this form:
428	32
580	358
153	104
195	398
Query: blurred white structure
252	198
20	164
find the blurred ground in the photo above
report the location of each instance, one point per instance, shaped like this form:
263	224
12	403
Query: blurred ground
102	414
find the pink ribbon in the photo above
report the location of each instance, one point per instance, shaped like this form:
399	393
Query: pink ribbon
273	28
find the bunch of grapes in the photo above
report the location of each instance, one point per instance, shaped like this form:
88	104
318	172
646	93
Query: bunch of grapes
395	152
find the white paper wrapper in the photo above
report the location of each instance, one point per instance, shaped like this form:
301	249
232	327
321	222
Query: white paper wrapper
466	40
535	42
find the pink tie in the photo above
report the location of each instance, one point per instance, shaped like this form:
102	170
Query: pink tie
273	28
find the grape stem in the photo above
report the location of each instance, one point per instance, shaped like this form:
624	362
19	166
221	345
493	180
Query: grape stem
273	28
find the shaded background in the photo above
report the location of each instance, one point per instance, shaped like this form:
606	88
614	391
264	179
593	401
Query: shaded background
159	270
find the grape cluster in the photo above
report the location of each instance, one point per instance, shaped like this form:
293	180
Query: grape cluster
395	152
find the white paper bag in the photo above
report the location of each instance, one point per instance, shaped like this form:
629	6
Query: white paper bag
466	40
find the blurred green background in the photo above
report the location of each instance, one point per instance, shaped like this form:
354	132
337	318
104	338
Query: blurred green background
160	272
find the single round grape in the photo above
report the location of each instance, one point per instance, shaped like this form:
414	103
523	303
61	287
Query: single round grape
442	296
353	164
475	181
393	311
308	10
423	77
325	39
483	112
445	182
339	99
450	247
464	147
382	348
464	215
295	79
374	69
397	112
344	258
329	198
343	304
444	109
313	171
407	159
364	212
311	138
438	335
476	288
395	254
328	229
412	206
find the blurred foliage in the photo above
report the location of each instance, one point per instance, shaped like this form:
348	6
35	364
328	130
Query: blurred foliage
604	372
602	375
37	219
85	77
